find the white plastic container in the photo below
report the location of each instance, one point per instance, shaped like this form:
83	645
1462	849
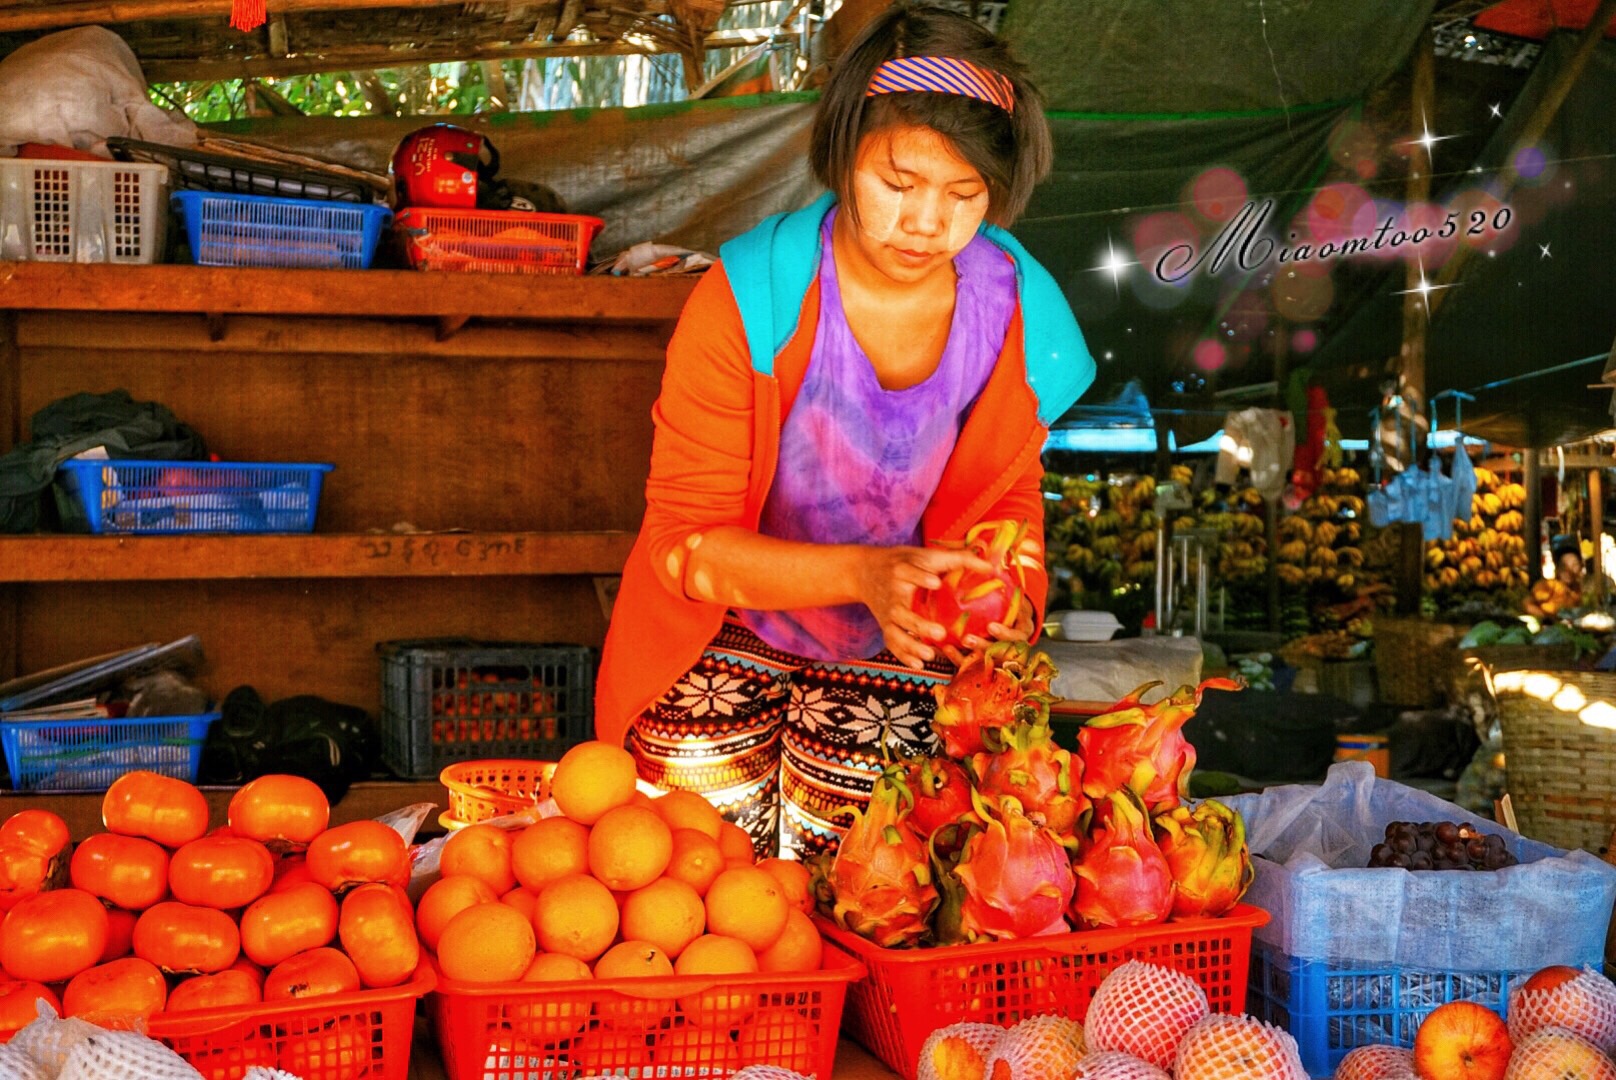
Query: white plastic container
82	211
1085	625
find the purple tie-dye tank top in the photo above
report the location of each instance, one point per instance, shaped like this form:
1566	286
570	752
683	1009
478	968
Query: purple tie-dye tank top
859	463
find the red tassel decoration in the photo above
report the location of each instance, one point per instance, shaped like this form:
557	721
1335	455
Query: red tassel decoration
247	14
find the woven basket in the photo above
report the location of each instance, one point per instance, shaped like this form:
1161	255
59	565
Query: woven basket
1562	770
1412	658
1464	672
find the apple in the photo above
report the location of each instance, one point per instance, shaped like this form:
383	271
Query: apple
1377	1063
1580	1002
1551	977
1556	1054
1462	1041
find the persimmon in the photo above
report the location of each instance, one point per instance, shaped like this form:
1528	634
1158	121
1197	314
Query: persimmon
316	973
116	994
184	938
549	849
23	873
377	930
225	990
290	871
126	871
33	850
249	969
53	936
480	851
19	1003
120	934
443	900
160	808
224	872
39	831
283	924
339	1052
229	1059
357	853
486	943
690	1050
281	811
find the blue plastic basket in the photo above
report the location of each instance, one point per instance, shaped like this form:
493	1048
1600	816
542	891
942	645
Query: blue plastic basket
88	755
160	497
260	230
1332	1008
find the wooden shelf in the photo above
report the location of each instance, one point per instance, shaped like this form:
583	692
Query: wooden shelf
39	286
57	558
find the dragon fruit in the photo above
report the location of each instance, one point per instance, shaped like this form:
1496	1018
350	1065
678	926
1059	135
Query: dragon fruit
1015	879
1206	852
1042	777
1122	876
1142	747
968	601
993	689
879	883
939	791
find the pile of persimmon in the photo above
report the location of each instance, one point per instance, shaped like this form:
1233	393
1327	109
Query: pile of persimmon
623	887
160	915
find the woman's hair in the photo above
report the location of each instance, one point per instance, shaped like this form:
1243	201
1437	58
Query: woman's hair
1011	150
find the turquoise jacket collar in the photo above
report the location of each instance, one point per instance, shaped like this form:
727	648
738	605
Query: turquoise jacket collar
770	268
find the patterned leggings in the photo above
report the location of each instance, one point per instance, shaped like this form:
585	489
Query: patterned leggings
781	744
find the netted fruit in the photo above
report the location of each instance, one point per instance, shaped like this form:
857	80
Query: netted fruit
1581	1002
1045	1047
1221	1047
958	1052
1557	1054
1144	1010
1377	1063
1110	1065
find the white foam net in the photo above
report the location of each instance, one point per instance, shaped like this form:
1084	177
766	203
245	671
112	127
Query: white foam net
1585	1006
49	1040
767	1072
1554	1053
15	1064
1112	1065
119	1055
957	1052
1043	1047
259	1072
1377	1063
1223	1047
1144	1010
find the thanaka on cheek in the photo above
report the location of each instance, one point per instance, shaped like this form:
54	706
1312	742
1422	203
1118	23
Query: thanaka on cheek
879	208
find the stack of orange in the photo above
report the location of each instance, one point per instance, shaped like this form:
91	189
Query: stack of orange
623	887
164	917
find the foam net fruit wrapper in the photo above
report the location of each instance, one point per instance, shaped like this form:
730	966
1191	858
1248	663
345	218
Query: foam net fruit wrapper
1144	1010
1585	1006
958	1052
1554	1053
1377	1063
1039	1048
1222	1047
15	1064
1112	1065
49	1040
119	1055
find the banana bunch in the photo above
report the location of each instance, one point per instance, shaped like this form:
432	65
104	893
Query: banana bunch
1324	534
1290	574
1322	557
1294	552
1486	480
1296	528
1486	503
1512	496
1510	521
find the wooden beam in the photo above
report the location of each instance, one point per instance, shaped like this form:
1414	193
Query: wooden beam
279	41
19	17
1536	125
372	57
53	558
1532	480
568	16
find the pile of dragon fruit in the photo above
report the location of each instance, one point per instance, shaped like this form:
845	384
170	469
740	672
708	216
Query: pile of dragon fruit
1010	836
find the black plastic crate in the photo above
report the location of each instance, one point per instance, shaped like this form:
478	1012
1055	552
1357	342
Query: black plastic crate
449	700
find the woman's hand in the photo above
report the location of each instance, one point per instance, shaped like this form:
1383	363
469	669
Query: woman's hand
1020	631
888	580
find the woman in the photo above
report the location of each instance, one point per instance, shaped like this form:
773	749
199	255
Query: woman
850	382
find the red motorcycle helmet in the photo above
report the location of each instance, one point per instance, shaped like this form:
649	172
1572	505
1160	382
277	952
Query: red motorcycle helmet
443	166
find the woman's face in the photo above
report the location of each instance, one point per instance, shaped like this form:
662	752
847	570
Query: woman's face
918	202
1568	568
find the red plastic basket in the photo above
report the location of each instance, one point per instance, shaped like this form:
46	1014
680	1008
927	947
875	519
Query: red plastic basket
642	1027
338	1037
912	992
497	241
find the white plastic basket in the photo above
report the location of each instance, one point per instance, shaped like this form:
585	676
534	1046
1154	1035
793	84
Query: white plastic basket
82	211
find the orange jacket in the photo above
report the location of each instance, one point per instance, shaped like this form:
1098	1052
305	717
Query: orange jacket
724	396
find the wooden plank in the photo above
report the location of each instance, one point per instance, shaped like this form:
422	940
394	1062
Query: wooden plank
267	334
368	799
44	558
377	293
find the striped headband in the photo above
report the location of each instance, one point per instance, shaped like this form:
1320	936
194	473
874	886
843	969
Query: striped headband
943	75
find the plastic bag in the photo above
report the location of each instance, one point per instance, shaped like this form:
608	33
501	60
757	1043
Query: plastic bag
1311	848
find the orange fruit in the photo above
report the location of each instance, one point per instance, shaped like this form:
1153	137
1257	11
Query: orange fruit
316	973
736	843
487	943
629	848
549	849
117	994
592	778
552	1019
339	1052
720	1007
688	810
577	917
605	1051
798	947
225	990
696	859
747	903
480	851
689	1050
628	1009
794	878
522	900
19	1003
778	1036
667	913
446	898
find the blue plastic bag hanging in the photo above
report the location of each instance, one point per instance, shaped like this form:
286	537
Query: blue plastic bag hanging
1464	470
1439	503
1380	510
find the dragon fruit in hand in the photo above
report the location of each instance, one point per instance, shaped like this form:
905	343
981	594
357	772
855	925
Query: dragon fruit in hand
967	602
992	689
1042	777
1015	878
879	883
1122	876
1206	852
1142	747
